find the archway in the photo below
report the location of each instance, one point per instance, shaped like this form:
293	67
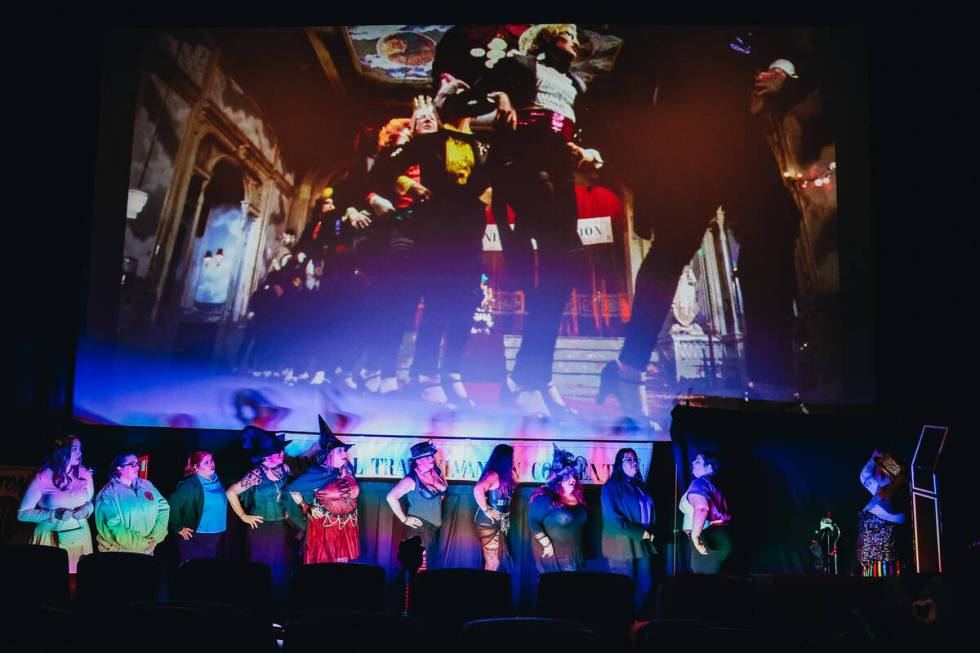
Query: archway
216	255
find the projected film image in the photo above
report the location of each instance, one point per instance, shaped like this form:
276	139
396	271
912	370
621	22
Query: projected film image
481	230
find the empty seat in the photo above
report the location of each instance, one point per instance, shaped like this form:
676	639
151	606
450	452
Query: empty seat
445	599
39	574
600	600
352	630
528	633
114	579
36	628
235	582
706	596
168	626
336	586
681	634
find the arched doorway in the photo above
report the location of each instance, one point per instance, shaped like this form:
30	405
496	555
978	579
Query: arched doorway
215	260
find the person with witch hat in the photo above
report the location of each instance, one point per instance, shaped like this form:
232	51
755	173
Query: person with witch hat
260	494
324	503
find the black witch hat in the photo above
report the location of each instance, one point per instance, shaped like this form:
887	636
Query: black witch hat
329	441
259	443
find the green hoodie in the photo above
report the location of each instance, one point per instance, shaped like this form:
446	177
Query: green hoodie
126	517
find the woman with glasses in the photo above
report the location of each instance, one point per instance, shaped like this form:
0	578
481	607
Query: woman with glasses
59	501
627	524
130	513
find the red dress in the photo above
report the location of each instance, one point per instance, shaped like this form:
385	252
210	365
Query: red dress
333	535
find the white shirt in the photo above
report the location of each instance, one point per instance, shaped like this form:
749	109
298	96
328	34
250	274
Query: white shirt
556	92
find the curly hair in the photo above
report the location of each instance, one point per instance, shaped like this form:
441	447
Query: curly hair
388	135
541	37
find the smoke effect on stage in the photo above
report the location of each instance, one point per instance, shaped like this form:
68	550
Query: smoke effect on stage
658	223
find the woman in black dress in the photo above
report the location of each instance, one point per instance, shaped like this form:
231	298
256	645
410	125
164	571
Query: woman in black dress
557	515
493	494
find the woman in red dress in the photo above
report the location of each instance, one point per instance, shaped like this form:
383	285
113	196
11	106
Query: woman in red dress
324	504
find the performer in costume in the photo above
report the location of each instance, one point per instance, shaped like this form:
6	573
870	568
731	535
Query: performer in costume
493	493
324	503
533	161
257	500
880	522
398	286
707	518
424	489
130	513
557	515
59	501
628	517
445	174
199	509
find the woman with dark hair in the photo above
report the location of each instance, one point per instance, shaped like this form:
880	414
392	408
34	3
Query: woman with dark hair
260	493
881	520
199	509
628	516
424	489
706	517
324	503
130	513
493	494
59	501
557	515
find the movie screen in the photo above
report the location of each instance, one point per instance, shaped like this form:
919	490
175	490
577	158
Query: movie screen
512	229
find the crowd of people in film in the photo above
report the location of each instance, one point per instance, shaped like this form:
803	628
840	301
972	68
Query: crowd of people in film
320	507
404	227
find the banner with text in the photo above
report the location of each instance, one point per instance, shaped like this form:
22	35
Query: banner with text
379	457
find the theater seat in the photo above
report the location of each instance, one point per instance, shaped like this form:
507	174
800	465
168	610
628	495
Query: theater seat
445	599
706	635
528	633
36	628
34	575
234	582
168	626
336	586
114	579
707	596
352	630
600	600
